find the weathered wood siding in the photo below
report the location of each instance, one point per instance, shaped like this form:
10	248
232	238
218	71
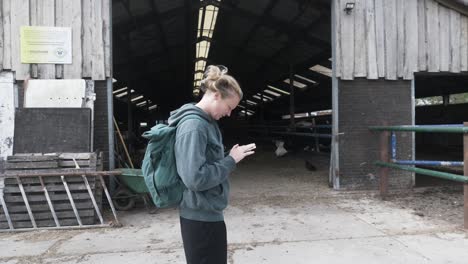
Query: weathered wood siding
392	39
89	21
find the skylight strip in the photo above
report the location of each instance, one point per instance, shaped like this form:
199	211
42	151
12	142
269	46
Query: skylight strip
251	102
259	98
120	90
265	96
322	70
120	95
272	93
137	98
296	83
277	90
304	78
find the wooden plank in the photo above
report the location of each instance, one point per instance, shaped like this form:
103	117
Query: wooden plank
347	43
464	43
1	38
371	41
337	34
6	17
433	44
454	41
391	48
380	37
69	15
6	212
400	14
7	114
19	17
50	189
31	165
360	58
58	206
86	38
41	171
48	215
422	48
41	198
50	223
71	164
35	154
411	39
60	16
26	202
44	15
98	70
49	202
16	158
77	156
444	38
8	181
70	197
35	180
107	36
93	199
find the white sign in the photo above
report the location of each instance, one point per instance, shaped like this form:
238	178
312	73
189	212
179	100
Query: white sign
46	45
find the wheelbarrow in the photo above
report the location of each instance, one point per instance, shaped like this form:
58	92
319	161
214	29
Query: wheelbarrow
132	186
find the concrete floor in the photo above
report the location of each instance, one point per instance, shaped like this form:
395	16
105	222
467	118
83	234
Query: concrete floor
279	213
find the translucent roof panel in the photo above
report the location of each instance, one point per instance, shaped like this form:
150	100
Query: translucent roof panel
304	78
272	93
137	98
207	16
277	90
322	70
251	102
296	83
200	65
202	49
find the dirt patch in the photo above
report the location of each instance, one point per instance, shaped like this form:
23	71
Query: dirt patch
438	203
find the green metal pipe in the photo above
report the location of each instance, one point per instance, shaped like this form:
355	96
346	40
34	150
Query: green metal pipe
437	174
426	129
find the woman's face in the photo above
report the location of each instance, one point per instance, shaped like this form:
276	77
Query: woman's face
223	107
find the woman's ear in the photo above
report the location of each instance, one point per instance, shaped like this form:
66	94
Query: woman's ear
217	96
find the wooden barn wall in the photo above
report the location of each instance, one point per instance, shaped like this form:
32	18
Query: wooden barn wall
89	21
392	39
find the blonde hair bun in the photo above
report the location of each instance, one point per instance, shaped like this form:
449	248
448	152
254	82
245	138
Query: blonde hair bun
216	79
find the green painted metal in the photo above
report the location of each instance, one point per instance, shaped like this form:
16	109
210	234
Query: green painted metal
437	174
425	129
134	180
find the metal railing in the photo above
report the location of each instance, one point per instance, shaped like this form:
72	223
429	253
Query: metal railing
63	176
388	144
311	131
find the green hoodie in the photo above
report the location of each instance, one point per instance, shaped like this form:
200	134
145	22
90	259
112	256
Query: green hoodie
202	165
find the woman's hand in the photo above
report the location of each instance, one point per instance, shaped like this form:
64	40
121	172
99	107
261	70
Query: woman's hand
238	153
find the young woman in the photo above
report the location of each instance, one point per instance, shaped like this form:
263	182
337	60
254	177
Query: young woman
204	167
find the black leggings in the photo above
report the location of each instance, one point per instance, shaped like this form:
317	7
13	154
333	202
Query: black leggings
204	242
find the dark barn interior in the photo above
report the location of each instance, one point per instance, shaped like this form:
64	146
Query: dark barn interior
161	48
160	55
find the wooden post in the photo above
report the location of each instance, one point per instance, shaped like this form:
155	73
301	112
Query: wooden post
129	119
383	171
291	98
465	172
315	130
7	114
